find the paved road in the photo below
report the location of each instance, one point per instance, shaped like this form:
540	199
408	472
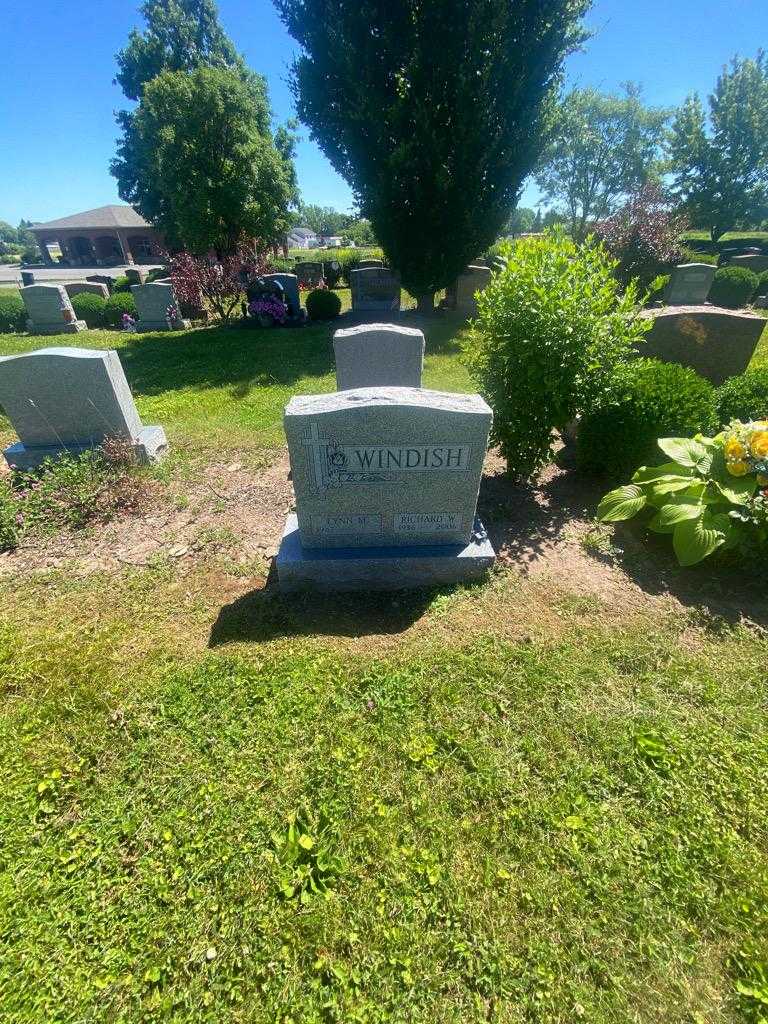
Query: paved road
11	275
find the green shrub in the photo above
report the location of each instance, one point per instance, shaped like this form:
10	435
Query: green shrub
656	289
552	326
117	304
762	284
688	255
158	274
744	397
651	400
9	524
733	287
323	304
13	314
121	284
90	308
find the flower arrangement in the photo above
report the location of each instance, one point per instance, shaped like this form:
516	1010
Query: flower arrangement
128	323
712	495
268	306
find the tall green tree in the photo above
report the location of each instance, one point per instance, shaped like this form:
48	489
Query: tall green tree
520	221
198	160
198	156
324	220
434	111
604	148
721	168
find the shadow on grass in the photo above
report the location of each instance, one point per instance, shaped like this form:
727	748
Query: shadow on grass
267	614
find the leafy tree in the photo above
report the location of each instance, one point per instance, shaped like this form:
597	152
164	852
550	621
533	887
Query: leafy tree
434	111
604	148
521	221
181	35
324	220
8	232
538	223
198	161
721	169
361	232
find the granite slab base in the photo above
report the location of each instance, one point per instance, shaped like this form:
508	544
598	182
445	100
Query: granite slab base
150	446
144	326
386	568
73	327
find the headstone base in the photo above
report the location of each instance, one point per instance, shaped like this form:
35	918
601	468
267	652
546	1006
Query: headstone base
150	446
386	568
73	327
143	326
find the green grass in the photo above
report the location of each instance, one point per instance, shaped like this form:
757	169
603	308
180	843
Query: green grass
511	802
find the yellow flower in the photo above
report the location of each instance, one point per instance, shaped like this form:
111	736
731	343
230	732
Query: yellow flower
738	468
734	449
758	443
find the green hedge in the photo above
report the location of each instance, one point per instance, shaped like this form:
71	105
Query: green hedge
323	304
744	397
114	307
13	314
733	287
652	400
90	308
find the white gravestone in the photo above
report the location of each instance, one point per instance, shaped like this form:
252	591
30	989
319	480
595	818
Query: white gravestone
157	307
386	482
50	311
71	400
375	289
378	355
689	284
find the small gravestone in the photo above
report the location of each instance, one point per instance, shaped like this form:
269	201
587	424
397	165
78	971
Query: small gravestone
310	274
375	290
71	400
136	275
378	355
368	264
50	311
290	285
331	272
461	296
157	307
104	279
689	284
717	343
758	264
27	277
386	483
86	288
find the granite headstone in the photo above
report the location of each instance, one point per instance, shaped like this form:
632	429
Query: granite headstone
309	273
378	355
689	284
50	311
756	263
86	287
375	290
157	307
136	275
461	296
290	286
71	399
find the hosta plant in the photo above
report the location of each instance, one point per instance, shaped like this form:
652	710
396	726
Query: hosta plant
712	495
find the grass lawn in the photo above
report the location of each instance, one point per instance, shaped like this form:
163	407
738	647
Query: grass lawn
543	799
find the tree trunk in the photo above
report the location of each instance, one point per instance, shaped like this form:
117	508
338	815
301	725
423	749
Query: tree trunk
425	304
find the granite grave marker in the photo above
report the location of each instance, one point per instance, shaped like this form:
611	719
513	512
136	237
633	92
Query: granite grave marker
375	290
157	307
378	355
50	311
689	284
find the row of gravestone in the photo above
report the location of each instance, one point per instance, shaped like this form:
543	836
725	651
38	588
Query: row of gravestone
690	283
135	275
49	307
386	474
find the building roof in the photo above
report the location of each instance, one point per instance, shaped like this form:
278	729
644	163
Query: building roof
116	216
302	232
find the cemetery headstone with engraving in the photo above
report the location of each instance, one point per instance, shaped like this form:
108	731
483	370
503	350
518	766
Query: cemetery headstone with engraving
290	285
461	295
689	284
375	290
368	264
70	400
386	483
378	355
50	310
87	287
309	273
104	279
157	307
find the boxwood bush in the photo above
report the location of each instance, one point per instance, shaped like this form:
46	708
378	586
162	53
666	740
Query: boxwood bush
733	287
13	314
762	283
90	308
117	304
553	324
744	397
651	399
323	304
121	284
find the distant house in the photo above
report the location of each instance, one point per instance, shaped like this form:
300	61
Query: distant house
104	237
331	241
302	238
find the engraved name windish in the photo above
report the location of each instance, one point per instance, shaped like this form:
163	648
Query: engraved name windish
389	458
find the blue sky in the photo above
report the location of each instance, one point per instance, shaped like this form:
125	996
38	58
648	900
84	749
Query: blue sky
57	129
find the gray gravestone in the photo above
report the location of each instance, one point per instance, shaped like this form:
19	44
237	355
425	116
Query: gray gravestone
461	296
368	264
136	275
50	311
386	483
758	264
157	307
375	290
290	286
104	279
86	287
309	273
378	355
689	284
71	399
717	343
